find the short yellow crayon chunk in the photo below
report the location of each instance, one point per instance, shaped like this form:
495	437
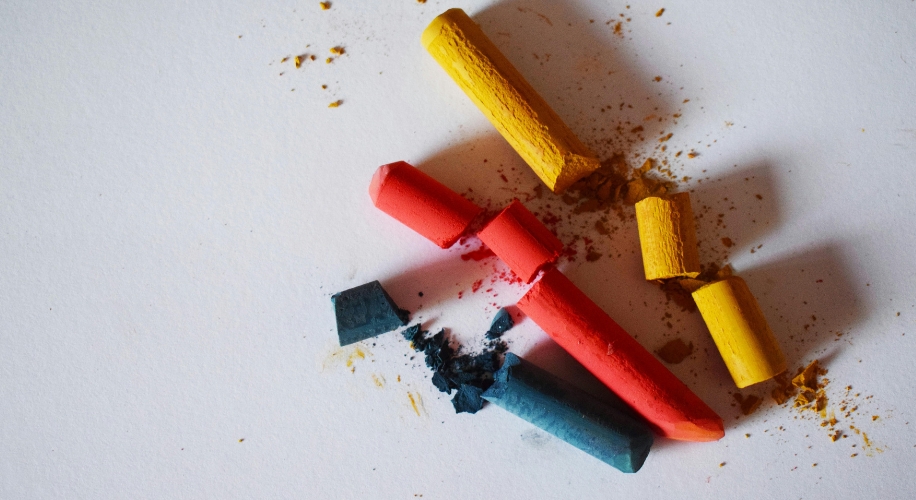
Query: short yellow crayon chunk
523	118
741	333
668	237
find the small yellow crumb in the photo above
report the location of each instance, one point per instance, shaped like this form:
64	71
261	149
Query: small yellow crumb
421	1
747	436
874	417
853	455
325	5
722	464
335	104
660	12
324	86
328	60
692	154
814	465
242	439
337	51
284	59
298	61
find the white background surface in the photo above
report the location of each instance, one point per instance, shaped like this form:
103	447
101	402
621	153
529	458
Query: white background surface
175	217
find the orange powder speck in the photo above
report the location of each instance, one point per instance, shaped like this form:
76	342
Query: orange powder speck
337	51
657	78
335	104
692	154
325	5
413	403
660	12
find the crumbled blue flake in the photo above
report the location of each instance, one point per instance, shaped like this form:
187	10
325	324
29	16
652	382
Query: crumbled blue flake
442	383
501	324
411	332
452	370
366	311
467	399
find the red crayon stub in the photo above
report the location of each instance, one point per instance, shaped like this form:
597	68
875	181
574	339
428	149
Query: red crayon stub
618	360
422	203
518	238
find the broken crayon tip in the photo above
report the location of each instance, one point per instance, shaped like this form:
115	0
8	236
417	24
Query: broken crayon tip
468	399
366	311
502	322
422	203
522	241
667	237
740	330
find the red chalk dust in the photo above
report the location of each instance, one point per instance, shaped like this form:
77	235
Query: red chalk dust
586	332
478	255
422	203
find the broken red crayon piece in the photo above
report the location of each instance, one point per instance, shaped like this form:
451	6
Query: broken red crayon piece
586	332
522	241
422	203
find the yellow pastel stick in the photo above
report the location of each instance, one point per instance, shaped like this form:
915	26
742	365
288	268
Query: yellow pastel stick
668	237
741	333
523	118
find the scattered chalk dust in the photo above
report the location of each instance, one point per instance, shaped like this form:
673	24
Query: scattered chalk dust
807	395
347	356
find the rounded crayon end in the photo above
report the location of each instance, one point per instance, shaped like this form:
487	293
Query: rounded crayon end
703	430
378	180
435	27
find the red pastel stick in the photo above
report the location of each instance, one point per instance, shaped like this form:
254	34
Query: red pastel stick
612	355
422	203
518	238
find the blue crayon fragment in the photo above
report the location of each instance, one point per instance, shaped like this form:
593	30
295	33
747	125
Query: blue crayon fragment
468	399
596	427
501	324
366	311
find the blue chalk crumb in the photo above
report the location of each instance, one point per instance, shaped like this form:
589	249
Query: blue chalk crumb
501	324
467	399
366	311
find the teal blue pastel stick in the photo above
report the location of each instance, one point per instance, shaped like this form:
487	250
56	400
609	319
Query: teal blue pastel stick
599	428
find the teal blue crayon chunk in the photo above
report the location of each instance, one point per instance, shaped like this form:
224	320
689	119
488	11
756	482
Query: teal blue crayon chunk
366	311
602	429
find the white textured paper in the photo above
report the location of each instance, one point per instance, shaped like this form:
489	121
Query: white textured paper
177	205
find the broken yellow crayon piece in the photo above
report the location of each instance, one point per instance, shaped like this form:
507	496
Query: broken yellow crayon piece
511	104
668	237
740	330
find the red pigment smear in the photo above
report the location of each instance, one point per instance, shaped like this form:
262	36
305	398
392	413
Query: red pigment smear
476	286
479	254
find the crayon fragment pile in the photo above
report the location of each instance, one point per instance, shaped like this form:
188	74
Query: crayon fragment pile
652	400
